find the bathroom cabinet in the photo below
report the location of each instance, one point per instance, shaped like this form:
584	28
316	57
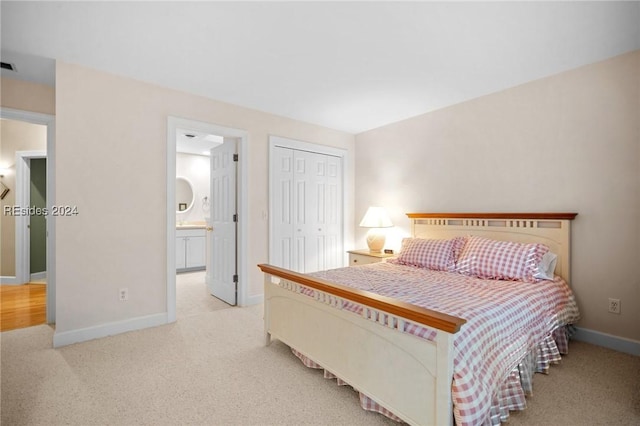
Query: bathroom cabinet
190	249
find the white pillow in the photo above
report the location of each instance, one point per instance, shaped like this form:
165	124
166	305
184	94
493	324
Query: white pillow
547	266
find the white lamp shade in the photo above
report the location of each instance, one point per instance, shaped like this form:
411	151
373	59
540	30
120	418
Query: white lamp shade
376	217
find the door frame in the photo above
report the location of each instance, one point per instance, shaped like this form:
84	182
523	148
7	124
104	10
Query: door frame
343	154
48	121
174	123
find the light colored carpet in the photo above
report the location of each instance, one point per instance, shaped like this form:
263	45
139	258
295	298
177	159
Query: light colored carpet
212	368
592	385
192	295
206	369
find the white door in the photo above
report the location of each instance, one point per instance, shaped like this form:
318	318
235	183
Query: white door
332	226
307	210
181	261
281	239
224	220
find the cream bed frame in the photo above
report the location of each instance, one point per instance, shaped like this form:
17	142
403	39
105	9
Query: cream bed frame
407	375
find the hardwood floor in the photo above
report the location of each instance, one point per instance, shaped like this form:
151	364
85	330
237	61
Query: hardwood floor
22	305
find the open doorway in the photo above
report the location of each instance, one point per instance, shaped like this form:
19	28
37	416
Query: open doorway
27	230
23	301
194	221
30	215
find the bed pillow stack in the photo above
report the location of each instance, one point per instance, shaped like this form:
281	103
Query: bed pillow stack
480	257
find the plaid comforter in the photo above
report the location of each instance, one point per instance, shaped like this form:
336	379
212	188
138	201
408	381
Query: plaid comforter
506	320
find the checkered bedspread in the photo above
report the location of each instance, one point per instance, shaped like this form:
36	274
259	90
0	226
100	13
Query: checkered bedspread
506	320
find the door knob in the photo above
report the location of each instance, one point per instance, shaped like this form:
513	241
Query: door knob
209	228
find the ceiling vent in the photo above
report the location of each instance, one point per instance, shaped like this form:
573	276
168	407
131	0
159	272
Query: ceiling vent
8	66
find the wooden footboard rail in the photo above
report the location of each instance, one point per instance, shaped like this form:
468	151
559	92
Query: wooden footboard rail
419	315
407	375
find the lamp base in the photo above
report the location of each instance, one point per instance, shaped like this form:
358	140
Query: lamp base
375	240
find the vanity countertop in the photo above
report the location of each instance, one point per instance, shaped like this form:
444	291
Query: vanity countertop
191	225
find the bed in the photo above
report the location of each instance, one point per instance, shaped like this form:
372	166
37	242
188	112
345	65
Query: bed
420	358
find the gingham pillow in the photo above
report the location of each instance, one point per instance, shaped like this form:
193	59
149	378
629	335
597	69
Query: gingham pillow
439	255
501	260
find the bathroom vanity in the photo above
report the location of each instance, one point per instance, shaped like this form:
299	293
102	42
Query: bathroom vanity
190	248
190	235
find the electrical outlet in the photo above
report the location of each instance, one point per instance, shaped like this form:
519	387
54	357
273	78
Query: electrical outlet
123	294
614	306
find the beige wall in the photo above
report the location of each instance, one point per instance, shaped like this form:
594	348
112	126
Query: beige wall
105	125
565	143
14	136
569	142
27	96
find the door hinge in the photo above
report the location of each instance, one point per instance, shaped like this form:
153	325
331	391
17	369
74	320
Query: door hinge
235	157
235	217
235	278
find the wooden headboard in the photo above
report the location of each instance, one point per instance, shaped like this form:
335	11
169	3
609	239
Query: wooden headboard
552	229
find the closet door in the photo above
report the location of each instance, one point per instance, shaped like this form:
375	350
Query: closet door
309	174
281	238
307	210
333	214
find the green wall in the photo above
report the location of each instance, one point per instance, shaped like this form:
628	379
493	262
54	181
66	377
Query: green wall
38	228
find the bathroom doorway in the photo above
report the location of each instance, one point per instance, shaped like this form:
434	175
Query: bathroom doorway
193	224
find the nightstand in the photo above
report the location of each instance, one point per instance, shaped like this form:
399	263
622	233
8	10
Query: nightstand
363	257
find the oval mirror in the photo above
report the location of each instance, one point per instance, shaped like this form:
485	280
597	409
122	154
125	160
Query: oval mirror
184	195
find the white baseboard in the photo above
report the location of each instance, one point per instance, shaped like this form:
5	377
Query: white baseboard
38	276
620	344
103	330
254	300
9	280
14	280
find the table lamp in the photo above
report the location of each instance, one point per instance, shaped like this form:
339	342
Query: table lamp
375	219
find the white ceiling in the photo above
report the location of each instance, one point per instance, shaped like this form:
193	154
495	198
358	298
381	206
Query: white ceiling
348	66
192	142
